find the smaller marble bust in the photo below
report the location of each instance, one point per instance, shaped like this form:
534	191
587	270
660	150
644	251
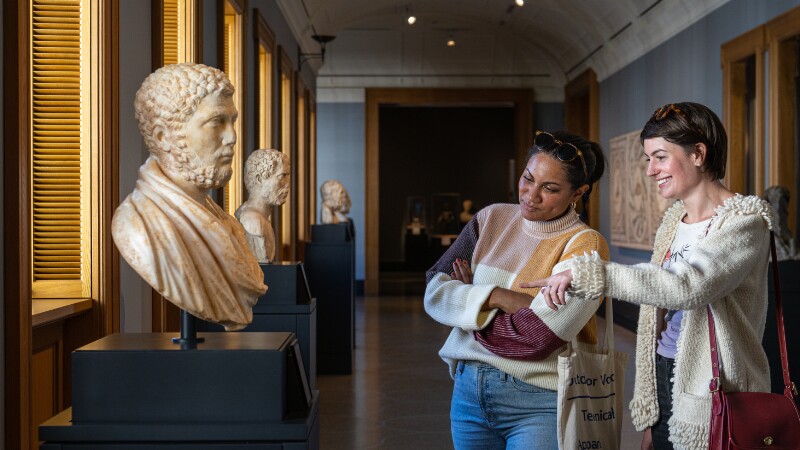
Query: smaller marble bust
335	202
267	177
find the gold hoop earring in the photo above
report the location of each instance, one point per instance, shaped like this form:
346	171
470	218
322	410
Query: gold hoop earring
575	206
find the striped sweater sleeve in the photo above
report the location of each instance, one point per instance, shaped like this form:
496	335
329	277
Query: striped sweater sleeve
534	333
451	302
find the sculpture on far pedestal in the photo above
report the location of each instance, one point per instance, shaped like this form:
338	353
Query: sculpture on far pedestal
168	229
778	198
267	177
466	212
335	202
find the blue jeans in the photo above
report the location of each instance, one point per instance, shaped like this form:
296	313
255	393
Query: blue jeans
665	369
493	410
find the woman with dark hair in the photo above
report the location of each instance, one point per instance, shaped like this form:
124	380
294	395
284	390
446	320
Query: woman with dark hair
503	348
710	250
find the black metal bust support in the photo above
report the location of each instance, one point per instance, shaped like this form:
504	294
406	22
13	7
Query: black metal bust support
188	339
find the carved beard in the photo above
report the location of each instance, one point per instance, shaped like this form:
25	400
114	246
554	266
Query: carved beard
203	177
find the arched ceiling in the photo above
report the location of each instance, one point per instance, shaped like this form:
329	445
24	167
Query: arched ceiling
540	45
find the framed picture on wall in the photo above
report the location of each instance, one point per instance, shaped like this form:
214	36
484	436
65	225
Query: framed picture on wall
636	206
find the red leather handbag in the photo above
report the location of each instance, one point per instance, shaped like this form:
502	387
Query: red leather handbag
754	420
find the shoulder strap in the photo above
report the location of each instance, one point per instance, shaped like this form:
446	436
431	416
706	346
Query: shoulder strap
787	383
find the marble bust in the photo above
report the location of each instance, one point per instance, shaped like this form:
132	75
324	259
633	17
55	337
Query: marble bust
168	229
267	177
335	202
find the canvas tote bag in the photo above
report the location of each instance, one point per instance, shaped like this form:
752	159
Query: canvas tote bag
591	382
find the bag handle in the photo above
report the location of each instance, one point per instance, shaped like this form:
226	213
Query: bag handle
787	383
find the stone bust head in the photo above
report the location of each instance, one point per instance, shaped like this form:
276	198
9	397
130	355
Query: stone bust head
335	199
267	177
186	114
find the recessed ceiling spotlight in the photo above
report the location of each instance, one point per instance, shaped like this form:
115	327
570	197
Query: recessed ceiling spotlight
412	20
519	2
451	42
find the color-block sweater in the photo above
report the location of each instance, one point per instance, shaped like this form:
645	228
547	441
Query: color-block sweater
504	249
728	270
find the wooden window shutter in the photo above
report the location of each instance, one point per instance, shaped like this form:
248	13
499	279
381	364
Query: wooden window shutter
60	141
172	31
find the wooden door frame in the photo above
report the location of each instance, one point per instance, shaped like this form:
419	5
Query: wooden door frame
522	99
586	84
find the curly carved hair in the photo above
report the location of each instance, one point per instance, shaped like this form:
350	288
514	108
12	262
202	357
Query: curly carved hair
169	96
261	165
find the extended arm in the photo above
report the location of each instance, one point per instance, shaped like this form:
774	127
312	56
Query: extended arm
718	265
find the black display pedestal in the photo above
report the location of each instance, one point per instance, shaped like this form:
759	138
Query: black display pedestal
330	266
286	306
790	299
235	390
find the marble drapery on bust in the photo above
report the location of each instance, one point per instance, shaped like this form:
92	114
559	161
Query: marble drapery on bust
335	202
267	177
168	229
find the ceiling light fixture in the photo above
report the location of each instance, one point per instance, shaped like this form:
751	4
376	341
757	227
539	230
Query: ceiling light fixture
520	2
412	19
451	42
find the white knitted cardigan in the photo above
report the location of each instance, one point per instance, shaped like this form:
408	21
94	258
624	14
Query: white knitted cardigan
727	269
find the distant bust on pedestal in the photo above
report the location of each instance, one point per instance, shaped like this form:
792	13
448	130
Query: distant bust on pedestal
168	229
466	212
335	202
267	177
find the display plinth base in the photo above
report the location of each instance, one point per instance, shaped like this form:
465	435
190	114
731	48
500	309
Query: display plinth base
142	389
287	284
287	306
330	266
300	433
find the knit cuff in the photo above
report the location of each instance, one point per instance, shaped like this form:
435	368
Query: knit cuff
588	276
644	412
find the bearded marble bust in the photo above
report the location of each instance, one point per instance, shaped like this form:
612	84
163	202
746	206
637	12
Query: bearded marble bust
168	229
267	177
335	202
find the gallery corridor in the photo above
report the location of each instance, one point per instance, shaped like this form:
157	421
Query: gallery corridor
398	396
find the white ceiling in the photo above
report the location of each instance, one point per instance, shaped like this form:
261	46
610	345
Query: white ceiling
540	45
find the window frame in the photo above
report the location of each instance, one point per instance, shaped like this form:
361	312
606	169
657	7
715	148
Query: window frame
99	315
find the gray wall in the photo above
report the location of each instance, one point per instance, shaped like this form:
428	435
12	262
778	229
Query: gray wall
340	156
684	68
134	66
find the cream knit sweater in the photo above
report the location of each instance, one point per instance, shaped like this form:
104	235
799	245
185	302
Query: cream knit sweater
728	270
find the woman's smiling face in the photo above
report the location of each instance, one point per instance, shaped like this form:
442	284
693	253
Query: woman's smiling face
544	192
676	171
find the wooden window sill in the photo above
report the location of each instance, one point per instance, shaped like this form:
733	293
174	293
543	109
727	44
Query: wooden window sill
48	311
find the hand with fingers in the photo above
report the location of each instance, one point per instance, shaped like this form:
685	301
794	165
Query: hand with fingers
461	271
554	288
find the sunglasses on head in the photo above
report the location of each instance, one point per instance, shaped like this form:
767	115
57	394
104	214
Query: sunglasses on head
564	151
666	110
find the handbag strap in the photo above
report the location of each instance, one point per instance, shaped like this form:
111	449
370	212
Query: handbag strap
608	336
712	336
